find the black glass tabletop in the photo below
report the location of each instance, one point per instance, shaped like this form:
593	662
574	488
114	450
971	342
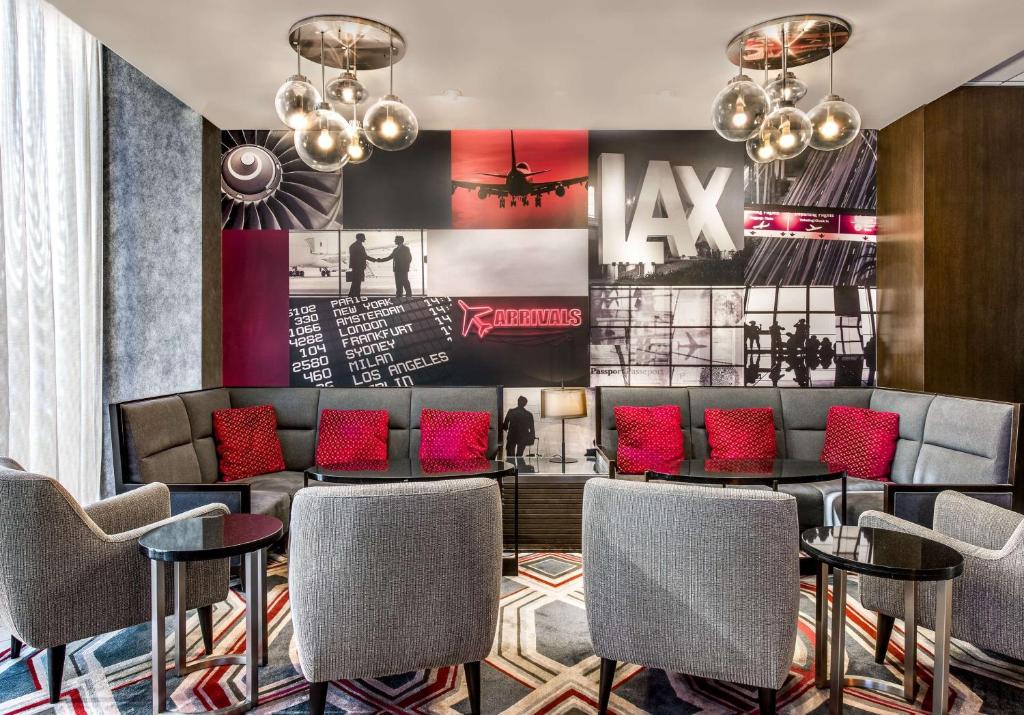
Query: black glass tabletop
881	552
211	537
409	469
745	471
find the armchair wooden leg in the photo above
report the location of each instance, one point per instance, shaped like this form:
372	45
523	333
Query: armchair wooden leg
15	648
55	670
766	700
605	688
473	684
318	697
206	626
884	634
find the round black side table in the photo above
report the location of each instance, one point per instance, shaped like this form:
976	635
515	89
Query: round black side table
885	554
205	539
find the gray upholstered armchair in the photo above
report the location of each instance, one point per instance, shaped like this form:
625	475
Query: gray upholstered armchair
988	600
68	573
692	580
388	579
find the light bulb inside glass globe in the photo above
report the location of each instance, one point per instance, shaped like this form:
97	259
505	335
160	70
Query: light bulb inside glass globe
295	100
759	148
739	109
346	90
787	130
323	144
836	123
794	89
390	125
358	147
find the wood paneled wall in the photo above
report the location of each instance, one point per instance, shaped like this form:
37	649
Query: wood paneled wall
951	248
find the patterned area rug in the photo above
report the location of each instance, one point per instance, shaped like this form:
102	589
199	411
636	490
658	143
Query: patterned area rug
541	662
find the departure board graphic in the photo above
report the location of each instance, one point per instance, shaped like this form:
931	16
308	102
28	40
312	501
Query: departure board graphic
382	342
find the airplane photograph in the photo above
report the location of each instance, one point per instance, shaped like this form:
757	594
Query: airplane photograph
313	263
544	174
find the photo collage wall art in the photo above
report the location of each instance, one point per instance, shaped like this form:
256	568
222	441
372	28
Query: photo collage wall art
539	258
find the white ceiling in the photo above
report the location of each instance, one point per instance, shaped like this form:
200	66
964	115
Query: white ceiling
597	64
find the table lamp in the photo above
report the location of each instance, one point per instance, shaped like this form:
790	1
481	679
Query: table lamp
564	404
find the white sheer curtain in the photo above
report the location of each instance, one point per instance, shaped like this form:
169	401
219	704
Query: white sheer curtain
51	154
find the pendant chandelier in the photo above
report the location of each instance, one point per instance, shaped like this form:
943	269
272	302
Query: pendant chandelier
766	117
325	138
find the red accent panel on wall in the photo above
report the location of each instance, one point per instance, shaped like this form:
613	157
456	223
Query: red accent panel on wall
254	273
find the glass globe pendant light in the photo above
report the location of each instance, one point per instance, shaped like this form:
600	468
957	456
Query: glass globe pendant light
835	121
390	125
358	147
739	109
323	143
787	130
346	89
787	87
296	98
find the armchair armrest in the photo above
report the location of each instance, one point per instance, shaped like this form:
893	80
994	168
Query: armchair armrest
135	534
974	521
605	460
879	520
235	496
131	509
916	502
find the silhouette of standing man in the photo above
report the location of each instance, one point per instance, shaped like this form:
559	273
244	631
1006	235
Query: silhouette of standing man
356	265
518	426
402	260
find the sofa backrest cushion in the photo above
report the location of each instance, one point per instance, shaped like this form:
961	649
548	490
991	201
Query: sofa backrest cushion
395	400
469	399
804	413
296	409
200	407
158	442
728	398
612	397
913	409
966	442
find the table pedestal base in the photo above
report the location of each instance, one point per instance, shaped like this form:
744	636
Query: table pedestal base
255	633
839	679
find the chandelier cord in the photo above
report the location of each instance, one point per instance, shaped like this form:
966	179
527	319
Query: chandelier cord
831	50
323	68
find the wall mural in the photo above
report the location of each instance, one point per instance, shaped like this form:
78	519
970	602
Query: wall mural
536	258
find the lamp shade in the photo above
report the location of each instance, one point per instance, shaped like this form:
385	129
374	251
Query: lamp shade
563	403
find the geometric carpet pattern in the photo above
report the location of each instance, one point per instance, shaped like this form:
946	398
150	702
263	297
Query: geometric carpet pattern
541	663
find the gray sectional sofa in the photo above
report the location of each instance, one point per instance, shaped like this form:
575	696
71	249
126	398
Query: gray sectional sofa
944	442
169	438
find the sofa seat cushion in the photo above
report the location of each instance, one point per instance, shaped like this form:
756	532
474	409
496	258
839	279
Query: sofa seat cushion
861	441
272	493
832	492
856	504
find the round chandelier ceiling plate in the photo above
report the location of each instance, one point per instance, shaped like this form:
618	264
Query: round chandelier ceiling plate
807	39
369	38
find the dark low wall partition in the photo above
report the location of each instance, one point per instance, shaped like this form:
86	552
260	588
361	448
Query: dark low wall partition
945	442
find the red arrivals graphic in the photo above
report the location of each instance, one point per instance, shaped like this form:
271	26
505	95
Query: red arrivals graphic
519	179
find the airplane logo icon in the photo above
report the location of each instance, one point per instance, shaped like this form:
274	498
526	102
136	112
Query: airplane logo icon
516	184
472	319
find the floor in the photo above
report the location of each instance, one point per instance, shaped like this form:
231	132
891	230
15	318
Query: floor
541	662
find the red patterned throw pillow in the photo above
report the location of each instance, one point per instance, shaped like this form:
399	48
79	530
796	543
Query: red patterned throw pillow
860	441
446	435
744	433
348	436
649	438
247	442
